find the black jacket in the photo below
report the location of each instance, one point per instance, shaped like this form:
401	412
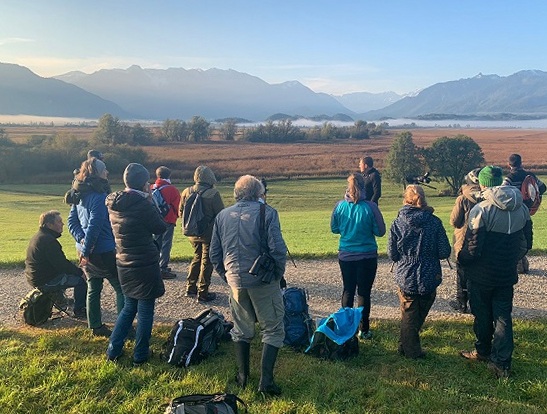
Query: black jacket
134	221
46	259
373	184
499	233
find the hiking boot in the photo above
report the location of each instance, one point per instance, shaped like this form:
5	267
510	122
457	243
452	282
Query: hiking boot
473	356
498	371
191	293
166	275
362	336
114	359
208	297
102	331
144	361
458	307
80	313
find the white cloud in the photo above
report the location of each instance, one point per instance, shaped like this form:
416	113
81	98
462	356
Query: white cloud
12	40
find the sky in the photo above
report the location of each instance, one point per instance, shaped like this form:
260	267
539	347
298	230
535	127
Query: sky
331	46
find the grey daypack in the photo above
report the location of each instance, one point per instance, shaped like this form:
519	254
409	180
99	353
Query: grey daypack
194	222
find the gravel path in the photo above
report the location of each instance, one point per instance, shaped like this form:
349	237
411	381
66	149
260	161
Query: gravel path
320	277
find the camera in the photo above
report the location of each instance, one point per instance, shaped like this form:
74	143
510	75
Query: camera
418	179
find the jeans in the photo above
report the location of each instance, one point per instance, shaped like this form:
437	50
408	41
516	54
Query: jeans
94	289
358	274
165	242
101	266
144	310
200	269
414	309
493	325
62	282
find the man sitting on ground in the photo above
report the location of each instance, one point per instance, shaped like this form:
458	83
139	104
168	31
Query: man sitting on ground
48	269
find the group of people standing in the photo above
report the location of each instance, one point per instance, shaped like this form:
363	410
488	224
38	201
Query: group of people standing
120	236
493	232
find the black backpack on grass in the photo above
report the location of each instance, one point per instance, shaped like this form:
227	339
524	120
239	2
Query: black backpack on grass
193	339
36	307
205	404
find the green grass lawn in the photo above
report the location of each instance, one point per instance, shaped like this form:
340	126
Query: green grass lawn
304	208
65	371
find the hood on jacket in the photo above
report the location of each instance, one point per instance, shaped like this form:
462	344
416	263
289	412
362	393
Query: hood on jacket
414	216
204	175
504	197
97	184
124	200
472	193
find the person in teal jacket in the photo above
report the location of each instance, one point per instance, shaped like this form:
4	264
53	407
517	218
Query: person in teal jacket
358	222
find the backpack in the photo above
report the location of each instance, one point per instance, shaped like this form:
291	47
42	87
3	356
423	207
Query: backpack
193	339
194	222
36	307
335	337
205	404
299	327
159	201
530	193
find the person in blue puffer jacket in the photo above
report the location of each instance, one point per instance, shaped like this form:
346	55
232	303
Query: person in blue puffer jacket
89	225
358	222
417	242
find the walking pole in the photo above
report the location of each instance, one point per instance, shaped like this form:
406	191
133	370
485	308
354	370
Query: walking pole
290	257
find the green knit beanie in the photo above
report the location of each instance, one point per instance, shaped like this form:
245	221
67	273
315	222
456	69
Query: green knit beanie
490	176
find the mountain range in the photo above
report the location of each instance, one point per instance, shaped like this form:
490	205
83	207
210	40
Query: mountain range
523	93
177	93
24	92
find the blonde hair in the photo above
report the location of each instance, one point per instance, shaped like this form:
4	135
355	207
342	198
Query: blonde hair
414	196
356	184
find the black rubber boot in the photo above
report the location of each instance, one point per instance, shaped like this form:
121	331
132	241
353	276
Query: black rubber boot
267	384
243	355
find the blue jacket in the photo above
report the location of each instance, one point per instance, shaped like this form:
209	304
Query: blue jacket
89	224
417	242
357	224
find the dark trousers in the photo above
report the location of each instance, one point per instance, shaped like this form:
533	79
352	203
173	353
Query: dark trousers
200	269
360	275
461	286
493	325
414	310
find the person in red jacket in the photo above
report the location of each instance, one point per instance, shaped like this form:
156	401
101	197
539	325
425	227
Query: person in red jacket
165	240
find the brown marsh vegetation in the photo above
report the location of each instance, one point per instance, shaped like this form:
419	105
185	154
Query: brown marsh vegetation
310	159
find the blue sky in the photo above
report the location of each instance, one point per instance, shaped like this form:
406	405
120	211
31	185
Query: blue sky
333	46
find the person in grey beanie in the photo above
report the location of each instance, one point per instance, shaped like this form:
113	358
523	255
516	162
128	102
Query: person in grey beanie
135	220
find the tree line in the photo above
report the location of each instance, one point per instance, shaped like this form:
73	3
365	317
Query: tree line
50	156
